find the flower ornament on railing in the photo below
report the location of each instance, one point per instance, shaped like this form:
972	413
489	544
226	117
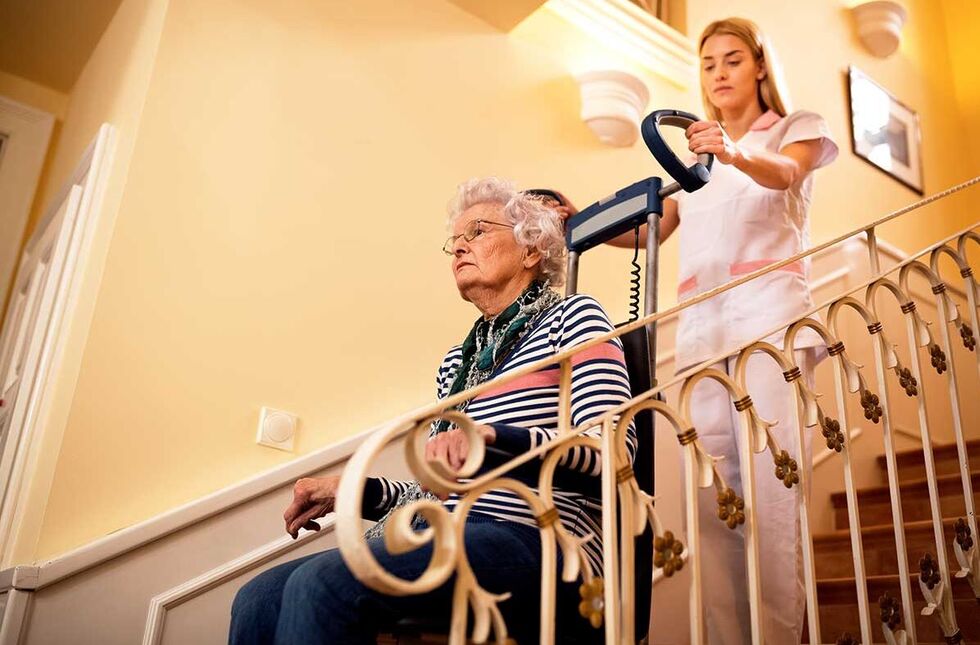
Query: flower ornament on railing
966	555
964	537
667	549
891	614
872	406
787	470
667	552
966	335
830	429
929	571
870	403
938	358
891	618
907	381
731	508
593	604
939	601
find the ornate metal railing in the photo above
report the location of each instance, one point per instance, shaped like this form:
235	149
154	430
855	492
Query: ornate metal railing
609	600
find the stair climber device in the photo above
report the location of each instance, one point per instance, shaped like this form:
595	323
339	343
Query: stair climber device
628	209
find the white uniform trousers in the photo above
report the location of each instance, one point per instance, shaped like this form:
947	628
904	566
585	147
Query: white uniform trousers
724	581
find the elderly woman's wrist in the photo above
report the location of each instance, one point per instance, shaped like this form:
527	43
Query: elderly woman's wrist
489	434
511	439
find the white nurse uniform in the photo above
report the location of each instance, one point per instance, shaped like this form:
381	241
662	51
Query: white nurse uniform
731	227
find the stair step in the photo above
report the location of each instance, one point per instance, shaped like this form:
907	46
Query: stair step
832	551
838	608
911	465
874	502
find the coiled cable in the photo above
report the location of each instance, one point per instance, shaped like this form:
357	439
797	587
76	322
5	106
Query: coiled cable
635	278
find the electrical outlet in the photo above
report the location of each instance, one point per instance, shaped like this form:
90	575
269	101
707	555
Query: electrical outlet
277	429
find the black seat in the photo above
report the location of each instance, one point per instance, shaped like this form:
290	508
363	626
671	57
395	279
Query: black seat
639	365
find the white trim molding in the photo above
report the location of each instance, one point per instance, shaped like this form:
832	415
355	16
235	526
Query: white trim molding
14	613
133	537
161	603
645	41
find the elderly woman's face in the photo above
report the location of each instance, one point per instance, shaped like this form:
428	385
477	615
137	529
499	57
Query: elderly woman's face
493	259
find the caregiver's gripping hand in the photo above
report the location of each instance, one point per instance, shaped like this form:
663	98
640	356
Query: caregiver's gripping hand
709	137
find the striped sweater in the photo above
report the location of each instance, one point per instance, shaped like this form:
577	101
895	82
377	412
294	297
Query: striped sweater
524	414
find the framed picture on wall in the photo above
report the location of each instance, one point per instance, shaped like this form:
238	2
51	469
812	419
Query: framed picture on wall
884	131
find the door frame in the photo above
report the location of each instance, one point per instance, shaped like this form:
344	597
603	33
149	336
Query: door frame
35	399
27	133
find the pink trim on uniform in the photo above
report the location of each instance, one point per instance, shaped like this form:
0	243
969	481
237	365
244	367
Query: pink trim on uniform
741	268
687	285
765	121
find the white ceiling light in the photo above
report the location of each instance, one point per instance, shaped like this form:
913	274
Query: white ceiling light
613	102
879	25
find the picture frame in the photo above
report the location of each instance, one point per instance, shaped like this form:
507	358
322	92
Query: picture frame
884	131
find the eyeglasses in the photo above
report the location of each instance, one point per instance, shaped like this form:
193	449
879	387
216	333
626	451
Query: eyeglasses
473	230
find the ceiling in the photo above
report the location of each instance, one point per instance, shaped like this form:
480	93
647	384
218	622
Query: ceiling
49	41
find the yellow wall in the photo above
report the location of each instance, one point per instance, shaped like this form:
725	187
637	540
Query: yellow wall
963	31
288	186
111	88
33	94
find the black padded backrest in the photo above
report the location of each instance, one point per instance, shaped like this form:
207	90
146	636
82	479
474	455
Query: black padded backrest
636	347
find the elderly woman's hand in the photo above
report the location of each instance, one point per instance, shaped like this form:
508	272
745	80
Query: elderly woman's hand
313	497
452	446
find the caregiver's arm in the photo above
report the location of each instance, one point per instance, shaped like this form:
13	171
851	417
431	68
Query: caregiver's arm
777	170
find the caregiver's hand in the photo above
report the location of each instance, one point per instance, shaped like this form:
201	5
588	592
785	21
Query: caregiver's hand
566	211
313	497
710	137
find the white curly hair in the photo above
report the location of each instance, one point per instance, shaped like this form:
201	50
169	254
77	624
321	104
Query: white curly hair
536	225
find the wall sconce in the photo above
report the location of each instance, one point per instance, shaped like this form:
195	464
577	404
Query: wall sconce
613	102
879	25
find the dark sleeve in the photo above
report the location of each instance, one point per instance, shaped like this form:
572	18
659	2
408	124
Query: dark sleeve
380	495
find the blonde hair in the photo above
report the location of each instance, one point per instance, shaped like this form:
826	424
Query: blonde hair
772	92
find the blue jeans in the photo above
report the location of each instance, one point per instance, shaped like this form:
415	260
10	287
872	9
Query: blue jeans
316	599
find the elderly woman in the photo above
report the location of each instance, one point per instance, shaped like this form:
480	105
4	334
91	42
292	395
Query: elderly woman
507	252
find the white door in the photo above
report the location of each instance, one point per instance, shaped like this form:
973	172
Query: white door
26	328
34	334
24	136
